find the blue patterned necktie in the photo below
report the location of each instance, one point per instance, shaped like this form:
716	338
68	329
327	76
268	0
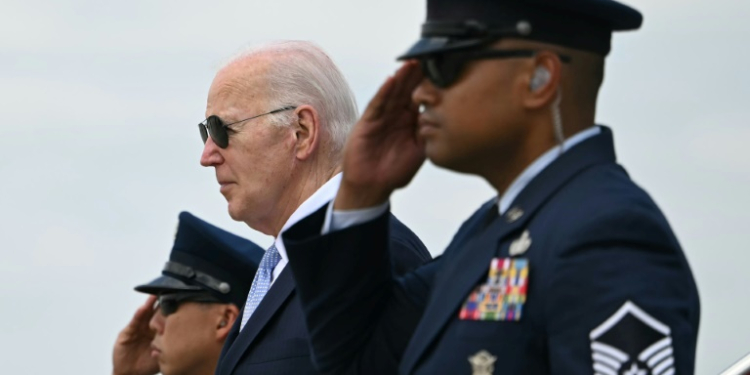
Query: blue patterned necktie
261	283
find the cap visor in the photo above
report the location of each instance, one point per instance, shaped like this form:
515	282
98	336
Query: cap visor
433	45
166	284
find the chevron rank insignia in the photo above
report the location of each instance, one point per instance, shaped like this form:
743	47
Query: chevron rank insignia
632	342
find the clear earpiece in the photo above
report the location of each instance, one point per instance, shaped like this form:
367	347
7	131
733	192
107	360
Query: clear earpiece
541	77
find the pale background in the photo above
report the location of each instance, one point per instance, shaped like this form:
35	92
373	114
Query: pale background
99	149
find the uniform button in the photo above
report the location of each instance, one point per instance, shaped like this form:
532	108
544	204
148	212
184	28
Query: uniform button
513	214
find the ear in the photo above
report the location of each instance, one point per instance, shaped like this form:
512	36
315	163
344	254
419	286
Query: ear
307	131
543	80
229	313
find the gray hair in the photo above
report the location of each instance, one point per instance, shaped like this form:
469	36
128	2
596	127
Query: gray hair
302	73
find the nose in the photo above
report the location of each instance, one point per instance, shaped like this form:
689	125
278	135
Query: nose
157	322
211	155
426	94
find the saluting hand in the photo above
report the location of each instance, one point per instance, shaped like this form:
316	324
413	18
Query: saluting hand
132	353
383	152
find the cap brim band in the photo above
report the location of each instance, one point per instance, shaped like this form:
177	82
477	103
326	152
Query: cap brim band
432	45
166	284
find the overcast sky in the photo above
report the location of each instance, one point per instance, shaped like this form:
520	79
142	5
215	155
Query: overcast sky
99	150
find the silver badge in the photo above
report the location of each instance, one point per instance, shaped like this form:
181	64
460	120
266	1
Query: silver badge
482	363
513	214
520	245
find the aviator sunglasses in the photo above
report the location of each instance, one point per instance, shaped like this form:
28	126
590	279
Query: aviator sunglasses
444	69
169	303
218	130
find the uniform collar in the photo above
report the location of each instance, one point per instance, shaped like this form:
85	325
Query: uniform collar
542	162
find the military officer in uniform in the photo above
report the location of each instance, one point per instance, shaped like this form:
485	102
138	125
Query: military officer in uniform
181	328
571	268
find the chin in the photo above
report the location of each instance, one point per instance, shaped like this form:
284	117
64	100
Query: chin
164	368
437	156
446	160
242	213
235	209
234	212
180	367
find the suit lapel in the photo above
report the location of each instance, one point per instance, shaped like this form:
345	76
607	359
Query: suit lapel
461	273
280	291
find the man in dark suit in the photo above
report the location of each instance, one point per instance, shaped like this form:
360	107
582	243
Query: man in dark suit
182	326
277	119
571	269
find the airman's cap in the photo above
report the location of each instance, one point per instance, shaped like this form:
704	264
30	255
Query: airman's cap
206	259
579	24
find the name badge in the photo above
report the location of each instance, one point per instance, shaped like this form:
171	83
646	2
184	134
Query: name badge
504	294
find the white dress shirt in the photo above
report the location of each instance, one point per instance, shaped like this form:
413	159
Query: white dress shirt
323	195
340	219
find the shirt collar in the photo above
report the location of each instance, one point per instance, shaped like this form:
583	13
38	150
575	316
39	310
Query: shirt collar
322	196
542	162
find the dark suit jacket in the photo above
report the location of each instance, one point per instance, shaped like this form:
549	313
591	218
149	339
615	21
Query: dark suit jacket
275	339
608	290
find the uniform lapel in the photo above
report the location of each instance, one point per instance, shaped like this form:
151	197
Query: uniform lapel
462	272
280	291
473	260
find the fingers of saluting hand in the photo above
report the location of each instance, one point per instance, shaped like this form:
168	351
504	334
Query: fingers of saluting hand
405	81
148	308
377	104
395	93
143	315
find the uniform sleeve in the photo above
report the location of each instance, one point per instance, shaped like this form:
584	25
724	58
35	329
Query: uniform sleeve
360	318
621	300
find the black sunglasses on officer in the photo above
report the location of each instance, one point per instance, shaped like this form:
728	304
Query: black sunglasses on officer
447	46
219	131
444	68
170	302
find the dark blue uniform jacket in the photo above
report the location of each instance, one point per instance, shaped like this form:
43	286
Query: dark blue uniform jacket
608	288
275	339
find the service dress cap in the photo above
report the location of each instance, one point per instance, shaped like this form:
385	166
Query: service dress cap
579	24
205	258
